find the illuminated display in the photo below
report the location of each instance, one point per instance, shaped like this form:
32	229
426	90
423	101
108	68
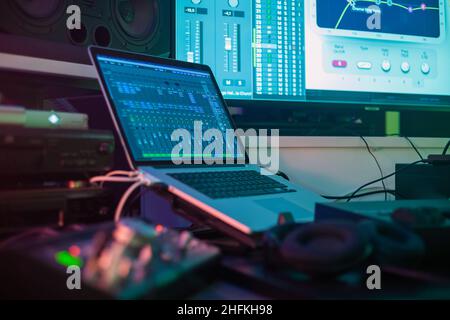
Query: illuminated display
353	51
400	17
255	52
154	101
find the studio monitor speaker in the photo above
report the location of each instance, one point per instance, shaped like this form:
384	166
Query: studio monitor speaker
38	27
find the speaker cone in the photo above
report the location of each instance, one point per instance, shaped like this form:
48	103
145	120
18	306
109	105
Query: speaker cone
102	36
38	9
79	37
138	19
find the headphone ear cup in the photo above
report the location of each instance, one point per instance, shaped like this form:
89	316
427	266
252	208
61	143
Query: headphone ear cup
325	248
272	241
392	244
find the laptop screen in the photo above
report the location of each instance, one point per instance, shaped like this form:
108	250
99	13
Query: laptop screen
158	104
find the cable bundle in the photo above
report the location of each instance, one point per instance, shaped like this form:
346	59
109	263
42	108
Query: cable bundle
137	179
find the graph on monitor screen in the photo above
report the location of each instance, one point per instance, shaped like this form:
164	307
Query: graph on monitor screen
401	20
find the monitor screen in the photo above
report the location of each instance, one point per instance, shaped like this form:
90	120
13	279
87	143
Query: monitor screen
153	101
385	52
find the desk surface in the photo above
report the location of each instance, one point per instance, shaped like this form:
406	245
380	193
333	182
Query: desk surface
243	279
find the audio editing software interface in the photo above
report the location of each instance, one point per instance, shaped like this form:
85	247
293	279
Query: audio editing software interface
255	52
369	51
153	101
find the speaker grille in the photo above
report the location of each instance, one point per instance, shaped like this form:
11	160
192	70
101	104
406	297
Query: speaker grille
137	19
134	25
40	10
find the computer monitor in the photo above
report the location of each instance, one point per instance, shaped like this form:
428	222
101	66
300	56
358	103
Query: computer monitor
382	52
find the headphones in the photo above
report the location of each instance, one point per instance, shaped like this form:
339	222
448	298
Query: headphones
330	248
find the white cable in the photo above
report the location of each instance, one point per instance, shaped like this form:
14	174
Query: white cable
143	181
116	176
138	179
124	199
130	174
113	179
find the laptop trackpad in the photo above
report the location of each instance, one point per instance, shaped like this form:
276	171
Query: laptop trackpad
280	205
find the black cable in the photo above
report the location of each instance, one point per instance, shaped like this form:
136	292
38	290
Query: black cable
386	177
447	146
392	192
378	165
410	142
414	147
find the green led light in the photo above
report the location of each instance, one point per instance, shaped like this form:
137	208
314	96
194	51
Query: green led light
392	123
65	259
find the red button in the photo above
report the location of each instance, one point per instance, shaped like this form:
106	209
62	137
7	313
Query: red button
339	63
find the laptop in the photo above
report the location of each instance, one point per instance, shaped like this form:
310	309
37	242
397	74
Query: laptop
149	98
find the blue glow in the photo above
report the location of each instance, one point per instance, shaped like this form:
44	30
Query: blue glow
393	52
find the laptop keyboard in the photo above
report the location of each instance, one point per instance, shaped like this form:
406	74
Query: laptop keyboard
231	184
